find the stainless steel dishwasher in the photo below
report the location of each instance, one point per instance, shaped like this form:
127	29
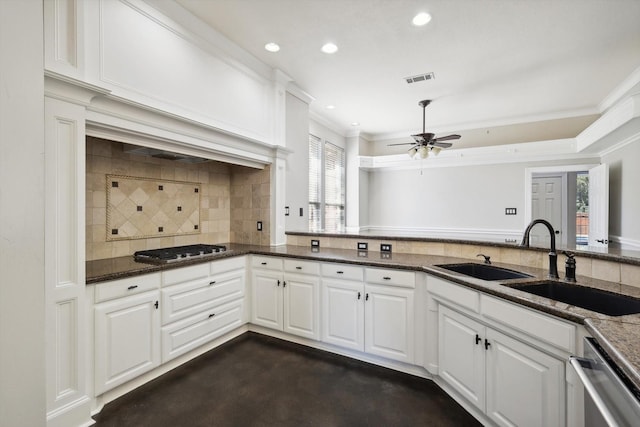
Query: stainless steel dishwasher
609	399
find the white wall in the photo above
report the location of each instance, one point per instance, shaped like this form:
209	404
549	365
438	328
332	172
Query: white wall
624	195
297	174
465	201
22	354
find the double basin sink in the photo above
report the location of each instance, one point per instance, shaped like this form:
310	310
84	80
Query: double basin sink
597	300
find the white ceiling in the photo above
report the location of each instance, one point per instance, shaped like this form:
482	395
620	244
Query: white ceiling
496	62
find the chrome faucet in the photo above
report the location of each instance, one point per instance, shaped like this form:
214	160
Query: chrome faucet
553	256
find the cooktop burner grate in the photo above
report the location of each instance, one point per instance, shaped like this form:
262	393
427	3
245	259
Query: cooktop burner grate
177	253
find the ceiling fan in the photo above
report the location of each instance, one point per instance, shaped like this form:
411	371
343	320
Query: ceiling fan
425	142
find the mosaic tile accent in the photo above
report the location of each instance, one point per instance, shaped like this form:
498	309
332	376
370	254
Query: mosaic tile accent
138	208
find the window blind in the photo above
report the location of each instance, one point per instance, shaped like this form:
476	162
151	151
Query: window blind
334	188
315	183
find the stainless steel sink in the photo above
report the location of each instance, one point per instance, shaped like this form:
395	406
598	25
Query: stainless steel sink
597	300
484	271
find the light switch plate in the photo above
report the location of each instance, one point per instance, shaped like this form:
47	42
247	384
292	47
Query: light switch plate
510	211
315	243
363	246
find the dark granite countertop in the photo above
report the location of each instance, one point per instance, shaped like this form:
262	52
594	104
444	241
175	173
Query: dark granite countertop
619	336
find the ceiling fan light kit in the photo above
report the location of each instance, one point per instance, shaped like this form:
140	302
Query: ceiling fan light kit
425	142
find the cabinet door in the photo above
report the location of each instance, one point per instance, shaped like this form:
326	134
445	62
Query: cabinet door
461	354
267	298
389	322
525	387
127	339
301	305
343	313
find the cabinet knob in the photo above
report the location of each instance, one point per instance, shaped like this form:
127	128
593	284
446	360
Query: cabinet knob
340	272
211	315
487	344
366	297
359	295
298	268
478	339
278	283
284	284
213	282
156	305
387	278
263	263
132	287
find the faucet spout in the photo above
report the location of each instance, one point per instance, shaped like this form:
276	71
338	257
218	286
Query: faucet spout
553	256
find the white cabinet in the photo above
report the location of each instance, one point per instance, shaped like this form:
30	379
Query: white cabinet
201	303
369	317
512	382
286	295
127	332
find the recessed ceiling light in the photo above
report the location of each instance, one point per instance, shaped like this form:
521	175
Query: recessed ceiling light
272	47
421	19
329	48
330	107
355	124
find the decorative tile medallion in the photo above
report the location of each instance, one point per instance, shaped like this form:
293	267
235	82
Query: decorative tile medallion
139	208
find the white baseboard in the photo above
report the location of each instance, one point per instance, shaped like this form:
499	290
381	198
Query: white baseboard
629	244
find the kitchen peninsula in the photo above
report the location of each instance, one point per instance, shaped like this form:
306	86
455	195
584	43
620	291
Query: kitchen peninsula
618	335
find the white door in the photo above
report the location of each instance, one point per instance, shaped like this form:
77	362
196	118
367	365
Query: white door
461	354
546	203
301	305
525	387
599	206
388	322
127	339
343	313
267	299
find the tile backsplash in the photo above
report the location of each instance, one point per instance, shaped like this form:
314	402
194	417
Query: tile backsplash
225	192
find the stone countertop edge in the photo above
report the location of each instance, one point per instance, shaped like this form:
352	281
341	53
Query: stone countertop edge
613	254
620	336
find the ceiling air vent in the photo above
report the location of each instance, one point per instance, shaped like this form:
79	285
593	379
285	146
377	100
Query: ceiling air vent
420	78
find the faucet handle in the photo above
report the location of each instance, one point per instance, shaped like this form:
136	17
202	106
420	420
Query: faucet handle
487	258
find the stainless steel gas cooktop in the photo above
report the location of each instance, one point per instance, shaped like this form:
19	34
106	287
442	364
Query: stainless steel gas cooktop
177	253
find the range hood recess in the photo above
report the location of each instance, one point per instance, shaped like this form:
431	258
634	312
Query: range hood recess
161	154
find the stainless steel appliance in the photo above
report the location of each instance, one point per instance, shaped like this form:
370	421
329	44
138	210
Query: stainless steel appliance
610	398
177	253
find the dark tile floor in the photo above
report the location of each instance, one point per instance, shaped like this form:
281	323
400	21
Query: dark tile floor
256	380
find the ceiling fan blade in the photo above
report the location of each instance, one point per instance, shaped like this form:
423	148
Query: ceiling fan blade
447	138
402	143
440	144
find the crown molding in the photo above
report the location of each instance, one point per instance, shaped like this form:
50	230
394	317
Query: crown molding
553	150
629	86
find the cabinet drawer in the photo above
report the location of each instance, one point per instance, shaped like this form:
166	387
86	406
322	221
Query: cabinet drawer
457	294
183	274
223	265
187	299
538	325
181	337
302	267
266	262
124	287
405	279
343	271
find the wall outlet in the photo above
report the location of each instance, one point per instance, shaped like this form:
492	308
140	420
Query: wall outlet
315	243
301	212
510	211
385	247
363	246
286	211
259	226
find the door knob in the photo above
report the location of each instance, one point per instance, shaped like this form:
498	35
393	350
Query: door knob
603	241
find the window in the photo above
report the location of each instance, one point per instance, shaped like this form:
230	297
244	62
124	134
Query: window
326	186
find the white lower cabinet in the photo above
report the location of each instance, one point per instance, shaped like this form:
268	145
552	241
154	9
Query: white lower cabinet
369	317
513	383
286	295
127	339
201	303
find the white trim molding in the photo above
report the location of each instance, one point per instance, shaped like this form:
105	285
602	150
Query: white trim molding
624	243
553	150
